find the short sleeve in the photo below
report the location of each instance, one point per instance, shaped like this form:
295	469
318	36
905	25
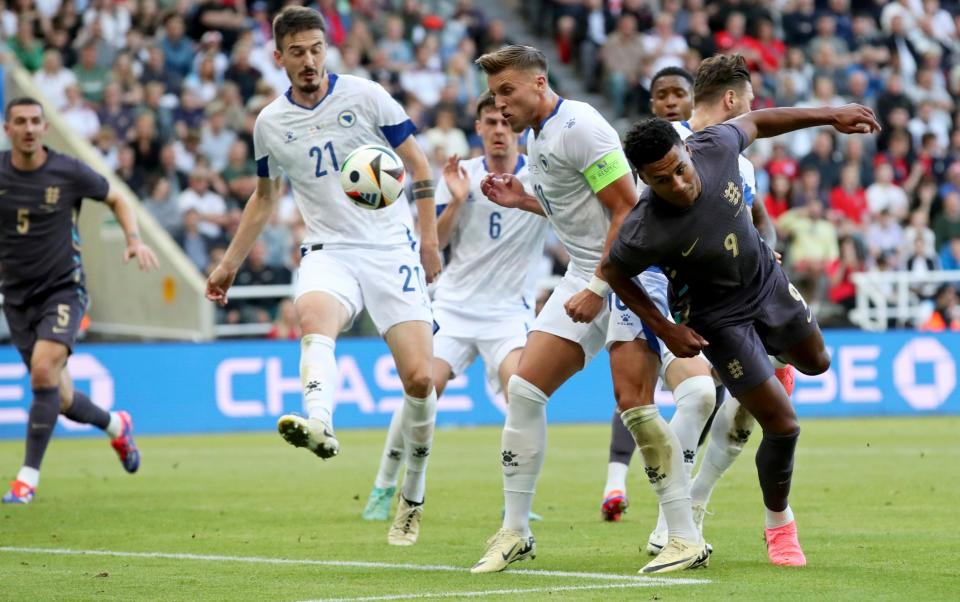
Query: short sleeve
390	117
725	135
266	165
632	251
90	184
594	150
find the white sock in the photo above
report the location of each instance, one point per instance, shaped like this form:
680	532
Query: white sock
392	457
778	519
416	424
661	454
113	429
695	398
616	477
319	376
30	476
730	430
523	447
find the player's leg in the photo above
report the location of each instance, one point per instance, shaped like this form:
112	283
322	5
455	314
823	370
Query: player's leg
46	362
118	426
695	395
411	345
635	367
622	446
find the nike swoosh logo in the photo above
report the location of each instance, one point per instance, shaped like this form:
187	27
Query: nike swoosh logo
690	250
506	555
809	315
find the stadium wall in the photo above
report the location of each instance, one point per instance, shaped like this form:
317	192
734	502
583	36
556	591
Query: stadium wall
169	302
244	386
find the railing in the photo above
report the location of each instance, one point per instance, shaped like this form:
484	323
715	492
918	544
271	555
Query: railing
256	291
883	297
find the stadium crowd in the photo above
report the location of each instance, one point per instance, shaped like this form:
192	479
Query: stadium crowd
168	91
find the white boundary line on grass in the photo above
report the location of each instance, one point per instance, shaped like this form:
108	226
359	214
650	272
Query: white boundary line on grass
494	592
626	580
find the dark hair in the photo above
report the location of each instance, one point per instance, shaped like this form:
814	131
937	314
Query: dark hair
649	140
22	101
486	101
718	74
671	71
295	19
513	57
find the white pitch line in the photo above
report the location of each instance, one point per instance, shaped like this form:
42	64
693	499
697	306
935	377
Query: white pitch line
352	564
491	592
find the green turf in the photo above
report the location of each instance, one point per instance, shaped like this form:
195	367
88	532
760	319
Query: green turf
877	503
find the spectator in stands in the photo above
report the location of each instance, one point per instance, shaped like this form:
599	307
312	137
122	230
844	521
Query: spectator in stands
422	80
27	48
105	141
855	153
287	325
209	205
177	48
161	203
947	225
240	174
113	113
952	184
945	314
662	45
53	78
849	199
699	36
91	77
623	58
885	237
919	229
203	82
78	115
812	245
840	271
195	244
950	254
398	48
823	160
155	70
445	139
808	188
256	271
215	138
777	201
884	195
799	23
921	262
128	170
595	23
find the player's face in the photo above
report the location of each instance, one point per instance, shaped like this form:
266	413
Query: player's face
499	139
673	178
672	98
517	95
25	128
302	55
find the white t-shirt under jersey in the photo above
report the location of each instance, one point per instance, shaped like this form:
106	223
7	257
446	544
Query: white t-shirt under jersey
492	250
308	145
575	153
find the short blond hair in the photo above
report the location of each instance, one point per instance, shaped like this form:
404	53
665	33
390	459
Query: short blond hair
514	56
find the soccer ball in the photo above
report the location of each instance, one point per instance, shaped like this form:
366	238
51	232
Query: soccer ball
372	176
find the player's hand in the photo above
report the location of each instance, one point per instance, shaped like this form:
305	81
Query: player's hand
855	119
218	283
456	178
430	259
504	190
779	257
584	306
684	341
146	259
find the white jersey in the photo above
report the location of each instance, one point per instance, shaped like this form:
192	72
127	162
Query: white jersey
575	154
492	249
748	175
307	144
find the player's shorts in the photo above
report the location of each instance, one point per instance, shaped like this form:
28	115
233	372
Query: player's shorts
389	282
51	316
615	323
740	351
462	335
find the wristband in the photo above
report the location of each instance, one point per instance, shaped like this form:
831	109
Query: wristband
598	287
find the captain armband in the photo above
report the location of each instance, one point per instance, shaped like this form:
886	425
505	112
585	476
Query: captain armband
606	170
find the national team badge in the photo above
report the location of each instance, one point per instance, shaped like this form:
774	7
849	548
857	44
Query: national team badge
52	195
732	193
347	118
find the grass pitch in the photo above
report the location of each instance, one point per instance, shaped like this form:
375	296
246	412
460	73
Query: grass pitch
208	518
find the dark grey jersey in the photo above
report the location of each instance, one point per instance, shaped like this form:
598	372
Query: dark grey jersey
39	242
714	257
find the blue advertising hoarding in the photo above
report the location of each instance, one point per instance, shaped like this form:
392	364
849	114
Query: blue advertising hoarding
245	386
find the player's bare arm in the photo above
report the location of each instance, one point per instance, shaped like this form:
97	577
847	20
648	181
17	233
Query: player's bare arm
767	123
618	197
458	183
416	163
507	191
255	216
682	340
146	259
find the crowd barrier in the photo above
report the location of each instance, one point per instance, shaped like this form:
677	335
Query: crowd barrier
175	388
